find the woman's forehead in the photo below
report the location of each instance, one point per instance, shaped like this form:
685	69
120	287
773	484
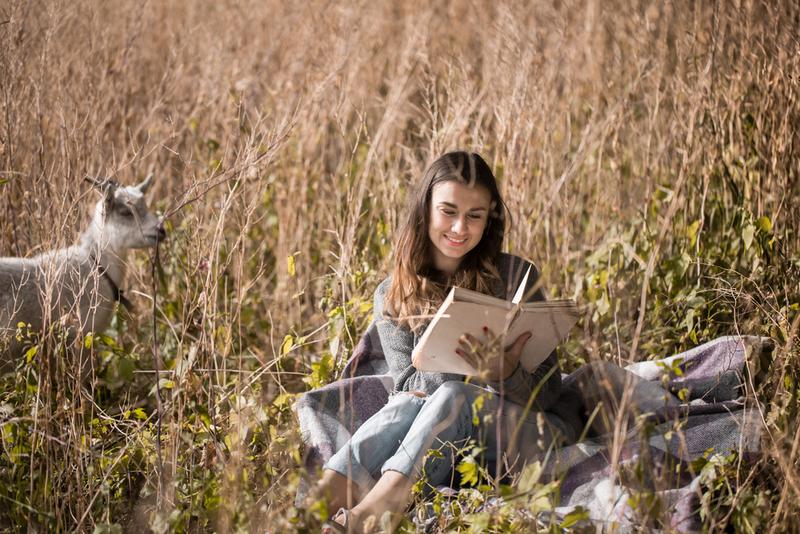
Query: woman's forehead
461	194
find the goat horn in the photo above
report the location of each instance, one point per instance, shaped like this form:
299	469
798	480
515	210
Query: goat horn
146	183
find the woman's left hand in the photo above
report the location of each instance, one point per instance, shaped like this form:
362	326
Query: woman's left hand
492	362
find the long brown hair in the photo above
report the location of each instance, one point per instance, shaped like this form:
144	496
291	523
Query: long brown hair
417	288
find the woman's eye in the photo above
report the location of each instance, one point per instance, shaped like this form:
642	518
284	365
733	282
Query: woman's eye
474	216
449	213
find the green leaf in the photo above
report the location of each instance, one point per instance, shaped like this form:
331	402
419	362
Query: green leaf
764	224
530	477
477	406
321	372
469	471
290	267
283	400
166	383
691	232
31	353
125	369
575	516
287	344
747	235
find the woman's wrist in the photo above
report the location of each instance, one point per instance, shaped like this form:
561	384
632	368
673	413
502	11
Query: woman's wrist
509	370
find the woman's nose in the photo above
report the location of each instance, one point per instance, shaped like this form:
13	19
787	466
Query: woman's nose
459	225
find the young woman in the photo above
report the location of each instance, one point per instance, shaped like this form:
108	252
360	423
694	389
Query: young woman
452	237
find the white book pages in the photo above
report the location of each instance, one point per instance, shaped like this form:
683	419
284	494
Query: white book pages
521	289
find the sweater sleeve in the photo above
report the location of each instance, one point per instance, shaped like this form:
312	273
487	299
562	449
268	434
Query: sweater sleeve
398	342
521	384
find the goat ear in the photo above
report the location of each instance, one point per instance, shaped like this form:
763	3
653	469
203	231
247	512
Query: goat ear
146	183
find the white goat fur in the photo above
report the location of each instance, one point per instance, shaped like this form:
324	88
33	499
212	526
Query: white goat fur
68	285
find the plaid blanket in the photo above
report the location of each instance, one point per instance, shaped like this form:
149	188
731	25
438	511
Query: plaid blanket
719	418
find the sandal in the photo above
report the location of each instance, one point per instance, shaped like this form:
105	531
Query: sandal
331	526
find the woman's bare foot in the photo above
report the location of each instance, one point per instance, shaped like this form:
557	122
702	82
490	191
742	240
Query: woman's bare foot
336	490
390	495
354	522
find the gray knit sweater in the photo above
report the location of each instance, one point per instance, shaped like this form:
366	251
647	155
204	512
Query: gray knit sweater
398	342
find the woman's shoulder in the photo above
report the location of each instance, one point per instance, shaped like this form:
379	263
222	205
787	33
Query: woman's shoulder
383	287
379	295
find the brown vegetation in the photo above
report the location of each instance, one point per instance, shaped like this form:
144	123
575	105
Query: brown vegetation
648	151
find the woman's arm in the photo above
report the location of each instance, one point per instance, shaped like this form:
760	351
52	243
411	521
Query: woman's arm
519	387
398	343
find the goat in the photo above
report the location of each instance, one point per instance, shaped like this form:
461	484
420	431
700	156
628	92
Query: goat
81	282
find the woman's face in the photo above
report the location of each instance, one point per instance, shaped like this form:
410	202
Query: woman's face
459	214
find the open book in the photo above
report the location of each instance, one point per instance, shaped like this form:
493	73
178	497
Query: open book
467	311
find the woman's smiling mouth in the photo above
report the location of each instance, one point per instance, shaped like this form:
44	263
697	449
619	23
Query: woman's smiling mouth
455	242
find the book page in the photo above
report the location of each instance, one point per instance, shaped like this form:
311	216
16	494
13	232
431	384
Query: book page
521	289
436	350
548	323
467	295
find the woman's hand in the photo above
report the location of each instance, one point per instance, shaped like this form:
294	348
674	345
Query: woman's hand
492	364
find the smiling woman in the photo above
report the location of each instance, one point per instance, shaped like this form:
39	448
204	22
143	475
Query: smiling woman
452	237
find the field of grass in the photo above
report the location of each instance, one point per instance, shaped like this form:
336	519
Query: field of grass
648	152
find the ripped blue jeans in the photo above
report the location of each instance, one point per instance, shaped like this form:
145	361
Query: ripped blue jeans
400	436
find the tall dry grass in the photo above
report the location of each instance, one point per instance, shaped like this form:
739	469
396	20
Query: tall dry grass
648	152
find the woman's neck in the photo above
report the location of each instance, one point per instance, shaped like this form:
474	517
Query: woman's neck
439	276
448	266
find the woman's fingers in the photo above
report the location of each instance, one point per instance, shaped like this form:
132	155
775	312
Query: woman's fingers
516	348
469	357
469	343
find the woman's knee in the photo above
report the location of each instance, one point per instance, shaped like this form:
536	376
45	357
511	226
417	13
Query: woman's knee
449	404
452	393
406	398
